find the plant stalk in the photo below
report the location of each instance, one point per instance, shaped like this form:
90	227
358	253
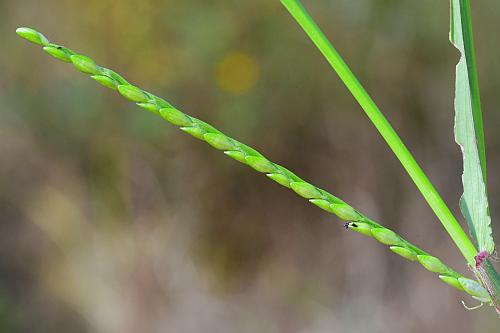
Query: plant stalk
429	192
491	281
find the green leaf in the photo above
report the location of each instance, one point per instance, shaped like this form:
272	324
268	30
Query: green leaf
469	129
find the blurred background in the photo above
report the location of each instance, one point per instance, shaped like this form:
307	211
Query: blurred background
112	220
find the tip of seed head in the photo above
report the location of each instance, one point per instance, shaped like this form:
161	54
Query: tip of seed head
22	30
33	36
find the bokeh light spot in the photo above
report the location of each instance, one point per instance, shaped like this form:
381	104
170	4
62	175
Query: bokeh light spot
236	73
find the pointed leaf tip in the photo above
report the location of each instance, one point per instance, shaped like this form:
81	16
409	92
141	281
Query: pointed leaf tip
33	36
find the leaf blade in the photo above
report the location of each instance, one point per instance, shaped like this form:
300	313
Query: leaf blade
469	133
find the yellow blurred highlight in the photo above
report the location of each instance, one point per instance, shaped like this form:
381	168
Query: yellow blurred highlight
56	212
236	73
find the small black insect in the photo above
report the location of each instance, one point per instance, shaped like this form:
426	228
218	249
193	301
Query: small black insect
349	224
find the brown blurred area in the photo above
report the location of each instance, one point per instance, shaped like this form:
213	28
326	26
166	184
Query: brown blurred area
112	220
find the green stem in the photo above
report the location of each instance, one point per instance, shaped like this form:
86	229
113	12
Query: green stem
491	281
416	173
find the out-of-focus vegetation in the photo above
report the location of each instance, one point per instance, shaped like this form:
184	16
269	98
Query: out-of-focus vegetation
112	221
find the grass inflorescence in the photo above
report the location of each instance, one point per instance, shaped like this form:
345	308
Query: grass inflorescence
242	153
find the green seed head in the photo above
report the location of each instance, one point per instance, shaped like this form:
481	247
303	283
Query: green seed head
323	204
433	264
404	252
260	164
362	228
250	156
475	289
114	75
176	117
386	236
249	151
207	128
33	36
105	81
57	53
451	281
219	141
194	131
280	179
237	155
84	64
151	107
132	93
306	190
345	212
